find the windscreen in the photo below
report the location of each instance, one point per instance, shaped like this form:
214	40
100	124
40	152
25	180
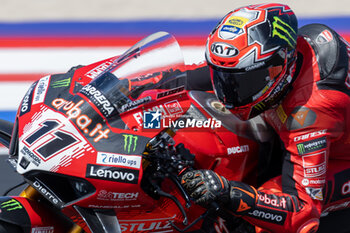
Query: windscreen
156	62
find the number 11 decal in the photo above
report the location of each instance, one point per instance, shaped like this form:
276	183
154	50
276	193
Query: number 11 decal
50	139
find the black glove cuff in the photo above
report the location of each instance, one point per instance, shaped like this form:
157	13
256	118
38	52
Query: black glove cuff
243	197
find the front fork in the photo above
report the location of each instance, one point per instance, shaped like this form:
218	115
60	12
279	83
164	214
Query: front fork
32	194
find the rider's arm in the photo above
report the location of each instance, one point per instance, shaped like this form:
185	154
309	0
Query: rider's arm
293	202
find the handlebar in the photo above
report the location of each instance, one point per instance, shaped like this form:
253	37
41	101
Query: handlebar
168	160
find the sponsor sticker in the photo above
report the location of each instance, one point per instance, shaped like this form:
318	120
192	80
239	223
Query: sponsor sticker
106	158
43	230
314	165
312	145
284	31
116	174
237	149
41	89
222	49
273	216
113	206
134	104
11	205
98	70
83	121
173	107
310	135
114	196
315	193
160	225
170	92
47	193
29	157
317	182
281	114
324	37
27	100
301	117
233	27
271	200
237	21
130	143
61	83
96	97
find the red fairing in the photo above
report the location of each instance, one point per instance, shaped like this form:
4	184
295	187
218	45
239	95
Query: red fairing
103	143
311	122
42	218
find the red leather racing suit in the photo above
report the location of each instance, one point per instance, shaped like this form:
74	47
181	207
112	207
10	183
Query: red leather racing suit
313	123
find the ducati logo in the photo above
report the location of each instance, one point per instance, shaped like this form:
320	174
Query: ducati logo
324	37
224	50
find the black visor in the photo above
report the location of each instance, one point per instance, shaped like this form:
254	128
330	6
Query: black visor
236	88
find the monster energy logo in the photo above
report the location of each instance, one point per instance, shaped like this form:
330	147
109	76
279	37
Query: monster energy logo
130	142
260	106
11	205
312	145
288	34
61	83
301	149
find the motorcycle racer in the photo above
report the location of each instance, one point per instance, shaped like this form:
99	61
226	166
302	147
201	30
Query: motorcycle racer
298	80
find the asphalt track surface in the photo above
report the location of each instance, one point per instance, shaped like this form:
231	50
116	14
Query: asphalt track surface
8	177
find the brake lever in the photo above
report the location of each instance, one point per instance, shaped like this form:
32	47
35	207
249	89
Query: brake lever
214	207
182	190
176	201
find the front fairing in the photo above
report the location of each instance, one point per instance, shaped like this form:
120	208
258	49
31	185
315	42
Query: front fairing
101	165
88	131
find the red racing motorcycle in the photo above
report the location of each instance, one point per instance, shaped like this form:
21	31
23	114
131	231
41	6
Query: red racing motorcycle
100	147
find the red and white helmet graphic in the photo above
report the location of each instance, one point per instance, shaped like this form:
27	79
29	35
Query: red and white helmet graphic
249	53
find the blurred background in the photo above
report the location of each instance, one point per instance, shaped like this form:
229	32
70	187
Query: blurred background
40	37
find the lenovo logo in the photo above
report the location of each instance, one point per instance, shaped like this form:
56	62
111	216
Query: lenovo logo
112	173
276	217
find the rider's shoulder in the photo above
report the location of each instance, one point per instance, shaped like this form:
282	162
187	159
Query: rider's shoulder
330	50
